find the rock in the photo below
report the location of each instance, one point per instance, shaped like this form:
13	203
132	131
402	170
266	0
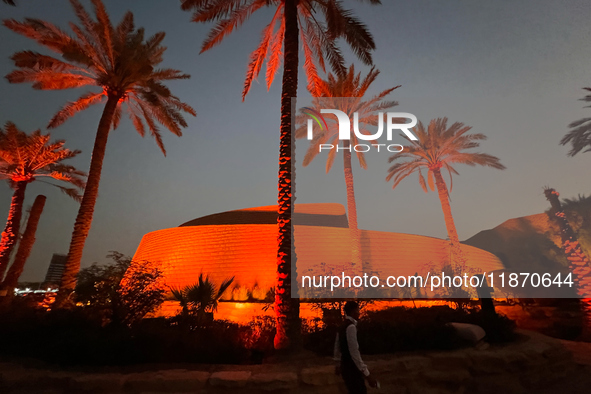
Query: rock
469	332
183	380
230	378
451	360
38	391
175	380
451	376
320	376
415	364
142	381
111	382
274	381
487	362
515	362
392	366
419	388
557	352
537	347
33	378
505	384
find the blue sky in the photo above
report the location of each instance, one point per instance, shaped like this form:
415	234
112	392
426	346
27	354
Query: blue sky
512	70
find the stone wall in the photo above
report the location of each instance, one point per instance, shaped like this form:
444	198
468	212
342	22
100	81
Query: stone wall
531	363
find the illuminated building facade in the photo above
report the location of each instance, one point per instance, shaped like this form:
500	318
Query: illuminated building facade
243	244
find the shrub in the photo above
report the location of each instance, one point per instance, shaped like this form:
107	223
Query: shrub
72	337
120	292
200	300
407	329
141	291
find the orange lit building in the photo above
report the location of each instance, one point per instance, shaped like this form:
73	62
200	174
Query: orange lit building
243	244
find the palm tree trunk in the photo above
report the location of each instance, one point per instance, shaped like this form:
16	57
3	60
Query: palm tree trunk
86	210
452	233
24	247
287	309
10	233
579	263
357	263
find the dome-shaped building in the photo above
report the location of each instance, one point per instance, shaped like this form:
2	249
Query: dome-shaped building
243	244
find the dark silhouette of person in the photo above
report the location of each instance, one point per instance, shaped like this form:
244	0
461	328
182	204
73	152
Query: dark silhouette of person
346	352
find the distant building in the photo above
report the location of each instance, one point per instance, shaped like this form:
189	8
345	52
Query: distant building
56	269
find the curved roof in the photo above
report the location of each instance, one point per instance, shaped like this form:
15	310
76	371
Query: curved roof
326	215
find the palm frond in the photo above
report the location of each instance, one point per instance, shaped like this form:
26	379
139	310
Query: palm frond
439	146
238	15
117	59
322	24
276	54
314	81
257	57
49	80
70	192
70	109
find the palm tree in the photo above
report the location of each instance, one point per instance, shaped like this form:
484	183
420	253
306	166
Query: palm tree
439	147
180	294
24	247
579	263
122	64
25	158
295	18
292	18
200	298
332	89
580	135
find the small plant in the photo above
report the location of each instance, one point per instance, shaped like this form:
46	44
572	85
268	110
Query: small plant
200	300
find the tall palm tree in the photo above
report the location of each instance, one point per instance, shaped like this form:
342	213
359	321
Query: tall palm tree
579	263
24	247
295	18
25	158
332	90
437	147
580	135
119	61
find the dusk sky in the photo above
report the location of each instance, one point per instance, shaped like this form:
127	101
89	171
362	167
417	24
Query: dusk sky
512	70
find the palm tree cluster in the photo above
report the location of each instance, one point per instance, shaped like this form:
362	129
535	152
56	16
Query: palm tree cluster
25	158
122	63
119	67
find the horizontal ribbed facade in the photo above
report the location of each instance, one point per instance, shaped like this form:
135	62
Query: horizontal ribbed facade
248	252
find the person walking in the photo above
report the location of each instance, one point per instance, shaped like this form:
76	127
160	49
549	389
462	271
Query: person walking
346	352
